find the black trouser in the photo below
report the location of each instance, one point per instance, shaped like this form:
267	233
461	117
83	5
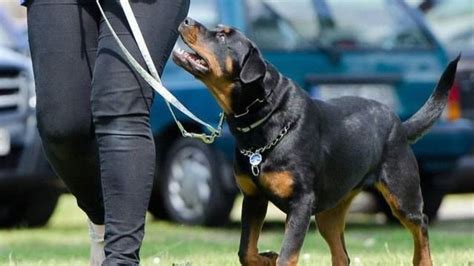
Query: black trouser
93	110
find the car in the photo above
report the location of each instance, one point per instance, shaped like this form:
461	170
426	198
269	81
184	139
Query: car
11	35
452	22
29	190
329	47
379	49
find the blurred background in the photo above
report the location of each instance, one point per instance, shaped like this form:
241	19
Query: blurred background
392	51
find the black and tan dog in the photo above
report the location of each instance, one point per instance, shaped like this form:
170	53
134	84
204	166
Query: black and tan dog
306	156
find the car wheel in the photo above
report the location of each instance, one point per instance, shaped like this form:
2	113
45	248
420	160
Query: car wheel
191	184
434	187
29	208
40	207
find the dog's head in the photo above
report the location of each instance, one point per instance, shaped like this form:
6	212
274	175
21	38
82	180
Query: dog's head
223	58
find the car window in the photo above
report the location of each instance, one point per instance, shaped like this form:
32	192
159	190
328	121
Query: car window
381	24
344	24
284	25
453	22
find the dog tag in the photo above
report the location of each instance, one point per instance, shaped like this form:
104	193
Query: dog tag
255	159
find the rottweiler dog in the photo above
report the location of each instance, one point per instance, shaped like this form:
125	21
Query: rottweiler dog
306	156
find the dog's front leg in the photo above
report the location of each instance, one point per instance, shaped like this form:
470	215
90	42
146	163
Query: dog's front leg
297	223
254	210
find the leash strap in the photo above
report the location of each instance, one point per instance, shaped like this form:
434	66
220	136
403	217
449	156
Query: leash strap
155	81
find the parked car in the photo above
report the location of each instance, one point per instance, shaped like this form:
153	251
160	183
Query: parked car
11	35
380	49
453	22
28	188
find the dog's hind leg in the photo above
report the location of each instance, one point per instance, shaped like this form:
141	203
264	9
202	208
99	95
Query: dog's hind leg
400	186
331	225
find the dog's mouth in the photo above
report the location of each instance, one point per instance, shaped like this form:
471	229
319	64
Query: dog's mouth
190	60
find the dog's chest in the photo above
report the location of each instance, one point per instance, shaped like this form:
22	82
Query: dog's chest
275	185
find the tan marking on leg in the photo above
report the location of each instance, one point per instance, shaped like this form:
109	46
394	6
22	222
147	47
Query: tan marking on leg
252	257
252	249
389	197
278	183
246	185
293	261
421	256
331	225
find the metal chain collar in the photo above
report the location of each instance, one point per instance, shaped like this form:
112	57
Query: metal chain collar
255	157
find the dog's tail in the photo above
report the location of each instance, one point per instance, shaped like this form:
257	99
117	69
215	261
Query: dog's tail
417	125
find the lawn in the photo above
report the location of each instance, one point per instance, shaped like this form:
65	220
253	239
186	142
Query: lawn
65	242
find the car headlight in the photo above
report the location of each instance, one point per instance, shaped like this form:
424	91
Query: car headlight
32	102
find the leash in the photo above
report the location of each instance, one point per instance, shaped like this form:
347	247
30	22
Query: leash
255	157
154	79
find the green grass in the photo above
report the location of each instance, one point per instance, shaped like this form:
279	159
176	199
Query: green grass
65	242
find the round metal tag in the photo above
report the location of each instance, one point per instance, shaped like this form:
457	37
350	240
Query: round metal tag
255	159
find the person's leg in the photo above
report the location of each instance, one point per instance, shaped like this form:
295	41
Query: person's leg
121	103
63	42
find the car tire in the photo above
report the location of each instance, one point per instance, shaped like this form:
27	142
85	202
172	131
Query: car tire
30	208
156	206
434	187
191	185
40	207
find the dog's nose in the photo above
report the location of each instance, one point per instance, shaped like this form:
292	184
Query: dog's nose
189	22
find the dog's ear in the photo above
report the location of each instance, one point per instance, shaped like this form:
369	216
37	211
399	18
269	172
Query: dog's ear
253	67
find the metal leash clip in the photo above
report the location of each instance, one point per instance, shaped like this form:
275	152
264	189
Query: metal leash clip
206	138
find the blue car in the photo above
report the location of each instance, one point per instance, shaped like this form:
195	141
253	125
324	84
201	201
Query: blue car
379	49
28	188
452	21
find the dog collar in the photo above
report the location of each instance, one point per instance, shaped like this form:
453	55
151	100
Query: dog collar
254	125
255	157
236	117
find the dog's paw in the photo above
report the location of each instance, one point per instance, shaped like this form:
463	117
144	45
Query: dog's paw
269	257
